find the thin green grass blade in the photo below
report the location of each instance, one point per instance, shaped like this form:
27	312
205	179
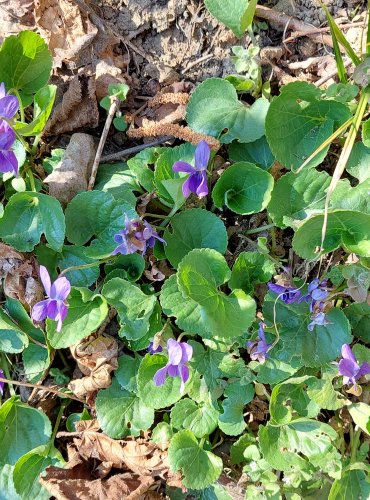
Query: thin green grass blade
368	32
342	74
339	38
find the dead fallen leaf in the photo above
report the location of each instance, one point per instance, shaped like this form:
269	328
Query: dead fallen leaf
96	358
72	174
106	73
140	456
20	275
78	109
75	482
15	16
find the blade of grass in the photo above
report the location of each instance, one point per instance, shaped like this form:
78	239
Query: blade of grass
346	151
341	69
337	35
326	143
368	32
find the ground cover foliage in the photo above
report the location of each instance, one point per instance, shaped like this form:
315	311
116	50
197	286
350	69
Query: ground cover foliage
180	351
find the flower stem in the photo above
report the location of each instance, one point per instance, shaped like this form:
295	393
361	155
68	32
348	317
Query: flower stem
5	367
21	110
169	216
85	266
355	441
259	229
31	179
59	418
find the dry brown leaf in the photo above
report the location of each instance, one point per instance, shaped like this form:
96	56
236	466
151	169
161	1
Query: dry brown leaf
20	275
72	174
78	108
15	16
140	456
77	483
64	27
106	73
96	358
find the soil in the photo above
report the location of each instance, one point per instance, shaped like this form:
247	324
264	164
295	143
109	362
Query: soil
181	40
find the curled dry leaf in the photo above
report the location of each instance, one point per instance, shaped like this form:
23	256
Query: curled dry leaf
20	276
96	358
79	108
70	33
140	456
72	174
77	481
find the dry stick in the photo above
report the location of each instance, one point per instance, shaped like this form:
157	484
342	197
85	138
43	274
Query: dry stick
333	73
313	31
41	387
194	63
281	19
103	138
134	149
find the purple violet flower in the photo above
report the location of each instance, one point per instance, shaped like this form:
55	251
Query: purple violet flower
317	292
317	318
179	354
151	349
54	307
137	235
258	348
349	368
287	294
8	160
2	384
8	103
197	180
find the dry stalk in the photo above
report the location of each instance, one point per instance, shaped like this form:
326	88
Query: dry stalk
179	131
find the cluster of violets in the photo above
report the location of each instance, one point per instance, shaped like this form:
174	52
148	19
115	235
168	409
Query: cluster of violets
316	294
9	106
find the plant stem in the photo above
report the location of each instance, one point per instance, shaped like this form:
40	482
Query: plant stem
5	367
259	229
85	266
21	110
31	178
156	216
169	216
59	418
355	441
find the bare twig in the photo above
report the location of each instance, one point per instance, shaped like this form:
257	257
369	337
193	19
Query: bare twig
281	19
195	63
134	149
103	138
313	31
43	388
333	73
